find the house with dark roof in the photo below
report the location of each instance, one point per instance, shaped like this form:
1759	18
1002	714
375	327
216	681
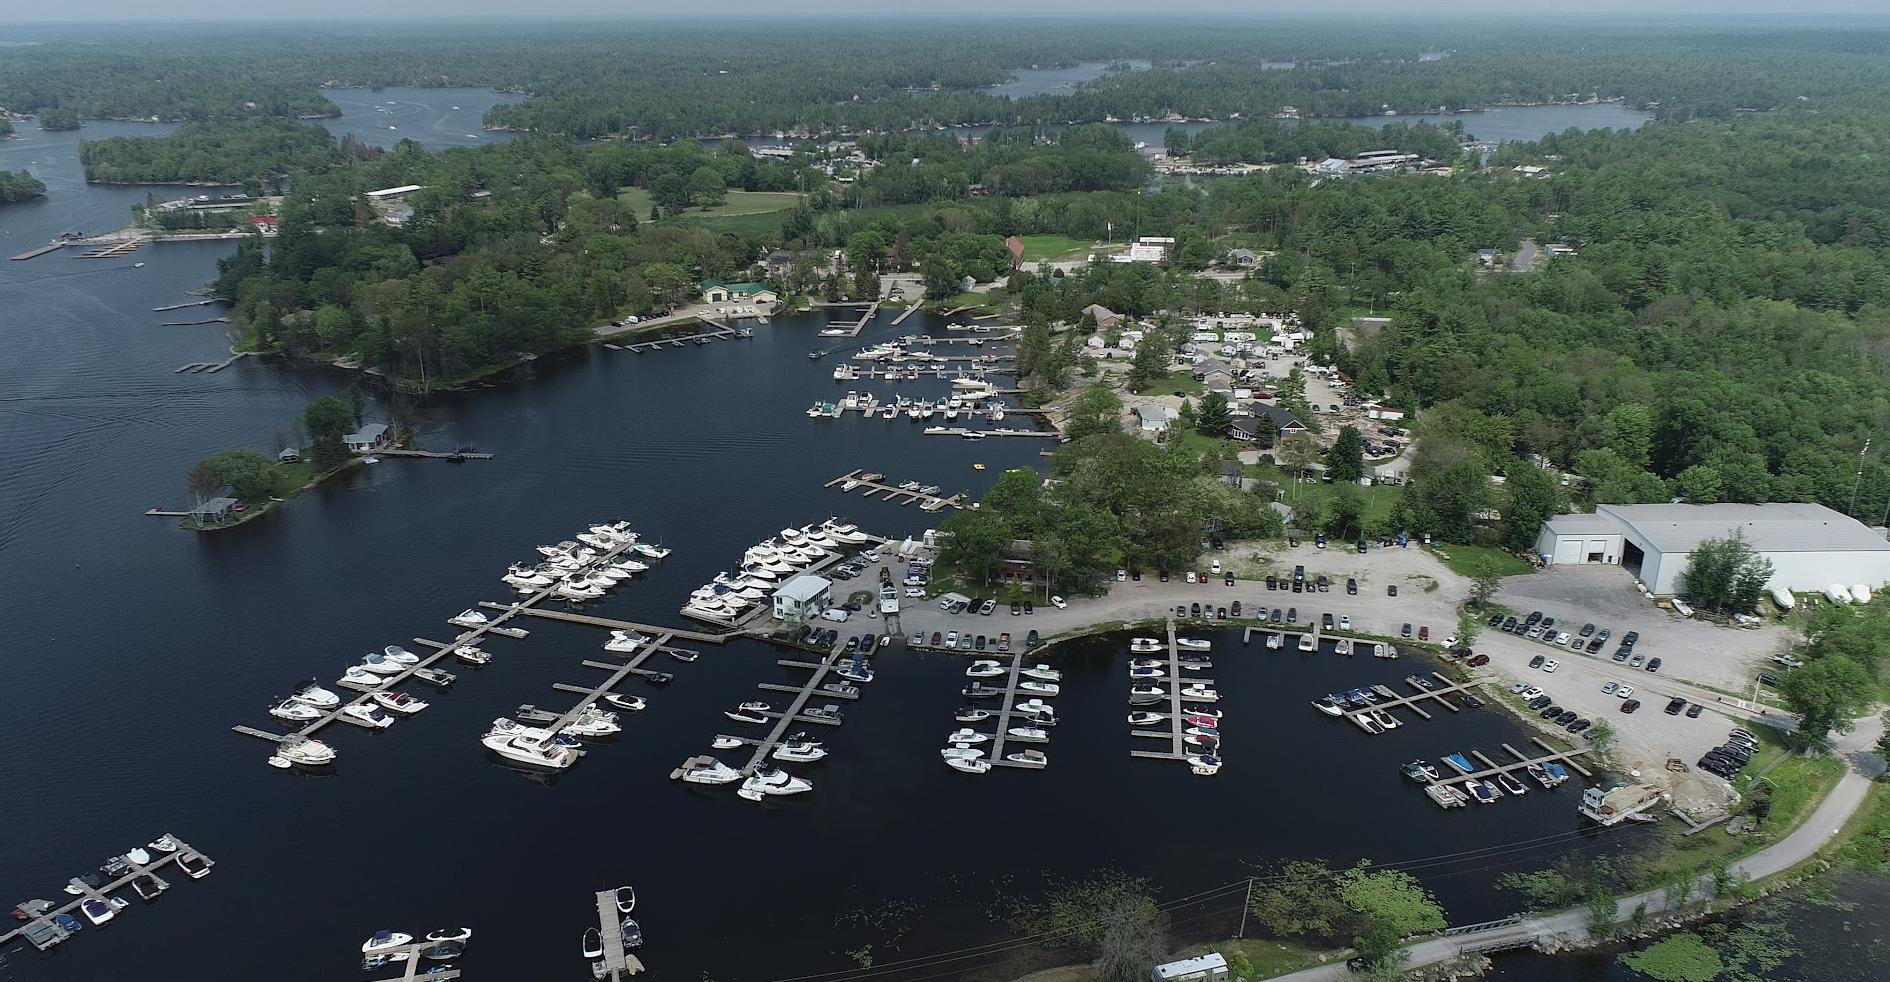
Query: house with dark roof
777	262
1105	318
1270	421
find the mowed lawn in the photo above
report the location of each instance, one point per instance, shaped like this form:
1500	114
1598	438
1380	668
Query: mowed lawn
1039	248
740	204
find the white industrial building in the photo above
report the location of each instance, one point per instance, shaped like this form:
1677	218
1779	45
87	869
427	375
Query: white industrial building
1810	546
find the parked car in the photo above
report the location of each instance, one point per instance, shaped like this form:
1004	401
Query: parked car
951	640
1537	661
1029	608
1587	629
987	607
1478	661
1190	576
1693	710
1121	574
1292	615
1059	603
1577	726
1674	706
1593	646
1030	641
1236	608
1630	705
1405	631
1636	660
1424	632
1345	622
1273	582
1621	654
1551	665
1391	590
1162	575
1016	608
1351	586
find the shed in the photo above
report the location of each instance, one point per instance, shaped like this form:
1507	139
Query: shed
1154	419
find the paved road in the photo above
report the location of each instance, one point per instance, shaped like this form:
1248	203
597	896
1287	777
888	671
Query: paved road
1823	825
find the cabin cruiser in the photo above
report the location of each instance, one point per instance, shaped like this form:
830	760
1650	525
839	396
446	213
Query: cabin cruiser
471	654
968	765
654	552
961	751
1146	718
1028	733
1146	663
1147	690
1144	644
723	741
163	843
625	641
399	702
593	722
978	691
1041	688
1200	692
370	714
308	752
1384	719
773	782
633	704
468	618
628	566
611	573
382	665
1035	706
382	941
715	772
531	748
577	590
1510	785
1193	644
294	711
1043	673
1330	705
358	675
801	749
1367	724
966	735
1446	796
1483	793
843	533
1204	765
983	669
748	712
314	695
856	670
1147	673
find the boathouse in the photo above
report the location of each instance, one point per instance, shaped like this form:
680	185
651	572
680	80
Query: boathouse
715	291
213	511
373	436
802	598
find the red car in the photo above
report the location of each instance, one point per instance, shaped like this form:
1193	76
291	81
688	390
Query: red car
1423	633
1478	661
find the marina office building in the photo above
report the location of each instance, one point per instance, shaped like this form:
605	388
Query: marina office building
1810	546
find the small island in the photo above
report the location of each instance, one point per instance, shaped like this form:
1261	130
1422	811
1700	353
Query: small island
243	483
19	186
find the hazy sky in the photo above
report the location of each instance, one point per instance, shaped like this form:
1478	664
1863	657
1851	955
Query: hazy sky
25	11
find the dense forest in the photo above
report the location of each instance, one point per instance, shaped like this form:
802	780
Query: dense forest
255	153
19	186
1020	161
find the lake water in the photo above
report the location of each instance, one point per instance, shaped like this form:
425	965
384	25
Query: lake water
1026	82
134	646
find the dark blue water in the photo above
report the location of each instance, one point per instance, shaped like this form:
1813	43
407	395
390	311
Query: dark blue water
133	646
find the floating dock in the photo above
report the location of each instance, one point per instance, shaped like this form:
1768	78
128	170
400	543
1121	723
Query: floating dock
1389	700
618	961
1009	706
114	250
210	367
1177	749
181	306
43	932
42	250
1492	768
718	331
792	715
904	496
432	454
851	330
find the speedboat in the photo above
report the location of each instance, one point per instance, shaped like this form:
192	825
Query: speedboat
961	751
1147	673
1511	785
468	618
138	857
1306	643
1201	712
381	941
1144	644
1199	692
1384	719
593	724
1205	765
748	712
855	671
773	782
531	749
1422	772
723	741
471	654
628	566
312	753
1446	796
97	911
370	714
593	943
460	935
968	765
1343	646
314	695
1147	690
841	689
984	669
400	656
163	844
1367	724
630	703
399	702
1146	718
194	866
1028	733
148	887
972	714
295	711
966	735
799	749
1330	706
631	932
1146	663
626	899
976	691
1459	763
1193	644
1201	719
382	665
1032	756
1041	688
1194	663
1483	793
713	773
1273	640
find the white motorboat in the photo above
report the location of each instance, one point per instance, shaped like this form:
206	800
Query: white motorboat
294	711
1035	706
596	541
593	725
725	742
1205	765
634	704
759	573
984	670
1144	644
654	552
1329	705
1147	718
468	618
1200	693
526	584
1366	723
1032	756
972	714
357	675
567	591
163	843
1147	690
625	641
773	782
1384	719
531	750
969	766
138	856
370	714
383	940
1306	643
1043	673
459	935
1343	646
630	566
748	712
1146	663
97	911
471	654
1028	733
1193	644
314	695
966	735
844	533
1041	688
395	653
399	702
382	665
309	752
1147	673
800	750
961	751
517	574
714	773
612	573
593	944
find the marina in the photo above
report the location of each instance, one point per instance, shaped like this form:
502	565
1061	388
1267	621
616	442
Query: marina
46	925
1492	768
1176	734
619	963
718	332
1384	699
856	479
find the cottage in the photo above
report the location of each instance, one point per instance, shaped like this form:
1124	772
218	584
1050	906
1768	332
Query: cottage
373	436
1210	967
288	455
1265	424
1242	258
1490	258
802	598
1104	317
715	291
1155	419
777	262
213	511
1016	246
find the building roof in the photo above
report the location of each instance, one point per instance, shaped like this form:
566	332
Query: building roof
366	434
804	588
391	192
1582	523
1232	468
1200	964
736	287
1772	527
1281	418
214	506
1154	414
1015	245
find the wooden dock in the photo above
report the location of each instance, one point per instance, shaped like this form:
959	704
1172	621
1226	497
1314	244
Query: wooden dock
1176	725
114	250
904	496
104	892
209	367
181	306
617	674
1389	700
616	625
431	454
792	714
1522	762
717	332
908	312
618	961
981	434
853	329
1005	710
42	250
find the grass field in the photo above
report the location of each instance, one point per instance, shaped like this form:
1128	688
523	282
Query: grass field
1038	248
744	212
1472	560
1380	499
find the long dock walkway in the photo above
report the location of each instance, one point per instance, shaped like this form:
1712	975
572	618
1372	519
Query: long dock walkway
617	674
55	934
617	625
1492	768
1175	723
1005	710
792	714
618	961
432	454
904	496
853	330
1389	700
42	250
717	332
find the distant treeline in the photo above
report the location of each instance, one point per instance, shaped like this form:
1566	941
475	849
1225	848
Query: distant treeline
252	153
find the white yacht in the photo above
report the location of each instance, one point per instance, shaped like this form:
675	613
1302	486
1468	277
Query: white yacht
723	741
528	577
1146	718
311	752
984	669
399	702
1193	644
472	654
634	704
1028	733
1144	644
1035	706
748	712
163	843
630	566
714	773
370	714
799	749
531	750
1273	640
625	641
395	653
974	766
314	695
773	782
593	724
1205	765
612	573
384	940
381	665
1043	673
961	751
356	675
1041	688
468	618
569	591
295	711
1031	756
843	533
1199	693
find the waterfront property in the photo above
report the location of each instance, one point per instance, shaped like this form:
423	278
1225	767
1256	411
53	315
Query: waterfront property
715	291
802	598
367	439
218	509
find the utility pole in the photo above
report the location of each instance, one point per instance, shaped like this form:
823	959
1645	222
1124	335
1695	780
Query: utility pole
1859	482
1243	910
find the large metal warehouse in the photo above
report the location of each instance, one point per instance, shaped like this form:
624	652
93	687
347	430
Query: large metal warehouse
1810	546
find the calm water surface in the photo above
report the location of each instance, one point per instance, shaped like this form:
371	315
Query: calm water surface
134	646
